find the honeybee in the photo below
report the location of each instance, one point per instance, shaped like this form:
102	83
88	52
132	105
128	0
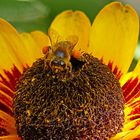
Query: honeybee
58	55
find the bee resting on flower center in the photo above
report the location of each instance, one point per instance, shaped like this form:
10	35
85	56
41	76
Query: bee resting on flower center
64	97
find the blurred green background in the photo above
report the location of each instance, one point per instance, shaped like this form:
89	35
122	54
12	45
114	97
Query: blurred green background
29	15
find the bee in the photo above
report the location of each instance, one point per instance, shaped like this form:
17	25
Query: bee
58	55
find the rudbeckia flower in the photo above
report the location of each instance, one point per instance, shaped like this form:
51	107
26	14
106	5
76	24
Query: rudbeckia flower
93	105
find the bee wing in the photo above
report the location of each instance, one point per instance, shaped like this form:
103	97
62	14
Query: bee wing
54	36
73	39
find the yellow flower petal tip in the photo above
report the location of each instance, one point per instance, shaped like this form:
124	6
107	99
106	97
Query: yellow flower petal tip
38	35
9	44
75	23
4	24
114	33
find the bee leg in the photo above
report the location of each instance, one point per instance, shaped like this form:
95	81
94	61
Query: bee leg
46	64
69	67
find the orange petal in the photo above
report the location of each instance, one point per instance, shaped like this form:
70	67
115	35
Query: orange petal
5	102
118	74
7	123
70	23
126	77
130	85
10	137
6	99
6	90
114	35
10	78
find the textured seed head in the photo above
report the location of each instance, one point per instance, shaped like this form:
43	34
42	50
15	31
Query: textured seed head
86	104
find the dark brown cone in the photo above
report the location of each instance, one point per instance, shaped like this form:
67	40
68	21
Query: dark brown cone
87	105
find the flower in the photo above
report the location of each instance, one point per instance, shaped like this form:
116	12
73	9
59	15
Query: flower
112	38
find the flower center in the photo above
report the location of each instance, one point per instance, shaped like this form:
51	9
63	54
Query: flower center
88	104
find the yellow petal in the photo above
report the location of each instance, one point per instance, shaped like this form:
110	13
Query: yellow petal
119	136
131	129
128	135
126	77
114	35
9	44
133	134
41	39
33	44
19	49
130	125
73	23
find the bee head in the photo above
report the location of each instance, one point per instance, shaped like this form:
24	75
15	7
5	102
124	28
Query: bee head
58	63
58	60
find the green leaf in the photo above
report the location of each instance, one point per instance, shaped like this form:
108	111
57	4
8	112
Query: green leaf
22	10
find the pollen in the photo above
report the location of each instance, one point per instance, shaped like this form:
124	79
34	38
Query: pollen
88	104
